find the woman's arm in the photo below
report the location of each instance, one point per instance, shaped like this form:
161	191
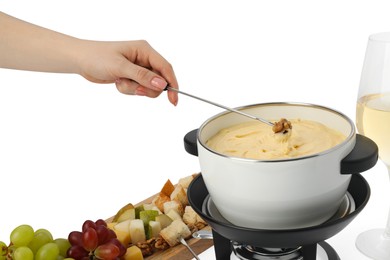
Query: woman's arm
134	66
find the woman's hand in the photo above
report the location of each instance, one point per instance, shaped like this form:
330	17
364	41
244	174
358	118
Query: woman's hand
134	66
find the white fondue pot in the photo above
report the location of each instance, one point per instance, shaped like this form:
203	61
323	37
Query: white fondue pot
285	193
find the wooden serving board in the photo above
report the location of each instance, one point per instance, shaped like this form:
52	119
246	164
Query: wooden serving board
178	252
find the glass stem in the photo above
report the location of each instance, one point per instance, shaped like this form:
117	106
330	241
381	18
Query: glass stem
387	229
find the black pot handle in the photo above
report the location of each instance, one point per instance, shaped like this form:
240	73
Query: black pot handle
190	144
362	158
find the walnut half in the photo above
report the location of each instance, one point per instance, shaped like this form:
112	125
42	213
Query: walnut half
146	247
151	245
283	126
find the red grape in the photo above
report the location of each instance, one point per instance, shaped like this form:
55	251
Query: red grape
103	234
90	239
100	222
112	233
75	238
95	241
107	251
77	252
88	224
122	248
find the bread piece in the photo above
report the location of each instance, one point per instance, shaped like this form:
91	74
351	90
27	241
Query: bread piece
168	188
172	214
185	182
160	199
189	216
173	205
200	220
180	195
176	230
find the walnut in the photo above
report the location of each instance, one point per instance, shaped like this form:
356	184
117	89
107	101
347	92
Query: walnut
146	247
161	244
283	126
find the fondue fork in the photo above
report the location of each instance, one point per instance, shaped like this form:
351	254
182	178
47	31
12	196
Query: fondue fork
221	106
183	241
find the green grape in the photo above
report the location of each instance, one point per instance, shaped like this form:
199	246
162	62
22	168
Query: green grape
23	253
45	231
11	250
3	250
63	245
49	251
22	235
39	239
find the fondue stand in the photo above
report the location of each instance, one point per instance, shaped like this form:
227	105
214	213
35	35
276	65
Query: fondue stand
268	244
234	242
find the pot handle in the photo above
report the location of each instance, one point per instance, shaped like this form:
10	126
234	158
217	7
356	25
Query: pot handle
362	157
190	144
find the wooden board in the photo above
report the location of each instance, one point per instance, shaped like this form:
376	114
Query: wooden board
179	252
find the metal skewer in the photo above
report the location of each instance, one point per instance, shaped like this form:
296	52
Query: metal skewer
221	106
182	240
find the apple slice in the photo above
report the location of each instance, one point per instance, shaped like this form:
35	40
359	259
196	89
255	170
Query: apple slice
164	220
138	209
125	213
137	231
148	215
154	229
123	226
122	232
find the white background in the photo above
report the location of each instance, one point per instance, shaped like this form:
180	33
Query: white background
71	150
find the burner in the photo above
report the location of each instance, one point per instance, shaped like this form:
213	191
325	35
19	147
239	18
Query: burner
245	252
324	252
259	243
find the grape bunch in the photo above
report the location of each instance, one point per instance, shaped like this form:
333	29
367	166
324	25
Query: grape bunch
27	244
95	241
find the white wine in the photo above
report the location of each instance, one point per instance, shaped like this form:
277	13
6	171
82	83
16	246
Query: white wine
373	121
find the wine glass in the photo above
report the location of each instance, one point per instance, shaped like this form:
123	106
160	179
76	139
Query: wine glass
373	121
